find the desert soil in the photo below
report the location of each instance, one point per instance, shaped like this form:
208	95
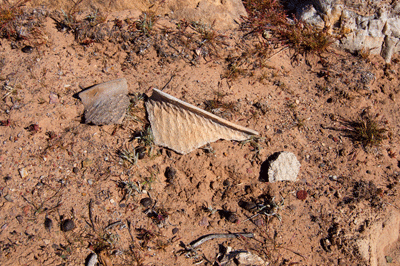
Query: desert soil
55	167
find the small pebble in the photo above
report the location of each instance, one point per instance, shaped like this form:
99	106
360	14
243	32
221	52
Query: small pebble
75	170
8	198
27	49
301	194
146	202
67	225
226	183
23	173
170	174
92	259
90	182
259	222
203	222
19	219
87	162
175	231
230	216
53	98
48	224
333	177
249	206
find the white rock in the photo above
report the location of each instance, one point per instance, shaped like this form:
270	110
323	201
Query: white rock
246	258
285	167
375	27
92	259
374	32
390	46
394	26
379	239
23	173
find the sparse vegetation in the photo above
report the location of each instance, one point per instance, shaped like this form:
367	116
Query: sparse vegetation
145	24
129	155
269	19
366	131
9	16
218	103
129	189
148	197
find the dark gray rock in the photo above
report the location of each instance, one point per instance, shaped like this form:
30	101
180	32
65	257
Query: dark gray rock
105	103
67	225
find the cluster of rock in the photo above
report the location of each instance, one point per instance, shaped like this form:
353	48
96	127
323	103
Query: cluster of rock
374	28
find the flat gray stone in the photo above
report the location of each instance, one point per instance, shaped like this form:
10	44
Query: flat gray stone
105	103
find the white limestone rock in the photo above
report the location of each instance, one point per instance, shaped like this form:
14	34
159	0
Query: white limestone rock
285	167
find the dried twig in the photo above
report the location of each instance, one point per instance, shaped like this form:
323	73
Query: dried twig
111	225
205	238
91	214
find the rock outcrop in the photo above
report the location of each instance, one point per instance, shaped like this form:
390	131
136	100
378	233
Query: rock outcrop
374	28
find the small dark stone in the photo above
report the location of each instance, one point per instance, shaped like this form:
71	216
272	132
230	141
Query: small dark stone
48	224
146	202
170	174
212	185
226	183
67	225
19	218
229	216
75	170
27	49
330	100
342	152
122	205
7	178
248	189
249	206
175	231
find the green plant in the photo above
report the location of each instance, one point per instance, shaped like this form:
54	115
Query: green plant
9	91
254	142
210	39
366	131
303	38
129	188
129	156
234	70
218	102
145	139
144	25
136	106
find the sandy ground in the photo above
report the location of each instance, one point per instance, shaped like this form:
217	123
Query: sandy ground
55	167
